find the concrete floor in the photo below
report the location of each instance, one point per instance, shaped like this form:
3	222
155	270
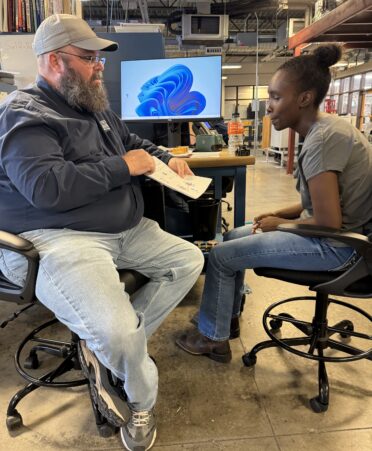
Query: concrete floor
204	405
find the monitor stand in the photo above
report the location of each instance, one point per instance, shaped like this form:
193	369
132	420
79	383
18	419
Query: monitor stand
174	134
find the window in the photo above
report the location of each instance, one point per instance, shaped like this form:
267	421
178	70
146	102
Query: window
368	81
335	98
330	89
245	92
356	82
262	92
243	96
243	105
354	103
229	108
346	84
336	86
230	92
344	102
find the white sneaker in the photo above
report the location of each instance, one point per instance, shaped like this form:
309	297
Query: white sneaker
139	433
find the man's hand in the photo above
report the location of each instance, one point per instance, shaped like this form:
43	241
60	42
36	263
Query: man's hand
139	162
180	166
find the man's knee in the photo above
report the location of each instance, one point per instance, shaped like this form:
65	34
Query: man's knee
125	341
194	258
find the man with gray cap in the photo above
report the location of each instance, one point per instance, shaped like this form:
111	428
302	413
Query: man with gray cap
69	183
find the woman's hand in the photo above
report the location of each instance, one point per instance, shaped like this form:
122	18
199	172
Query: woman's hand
257	221
268	223
180	166
263	215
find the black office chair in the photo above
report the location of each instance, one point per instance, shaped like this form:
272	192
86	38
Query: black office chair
66	351
317	335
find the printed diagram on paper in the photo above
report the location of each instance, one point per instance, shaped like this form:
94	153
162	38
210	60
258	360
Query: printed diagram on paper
192	185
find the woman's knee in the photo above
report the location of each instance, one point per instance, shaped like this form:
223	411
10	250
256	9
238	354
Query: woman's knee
217	255
239	232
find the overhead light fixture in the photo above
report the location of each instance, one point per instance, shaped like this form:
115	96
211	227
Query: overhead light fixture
223	77
340	64
231	66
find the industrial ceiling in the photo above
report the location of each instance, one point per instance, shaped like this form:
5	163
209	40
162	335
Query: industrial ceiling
244	16
270	21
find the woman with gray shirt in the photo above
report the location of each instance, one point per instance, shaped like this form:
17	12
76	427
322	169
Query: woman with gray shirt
334	179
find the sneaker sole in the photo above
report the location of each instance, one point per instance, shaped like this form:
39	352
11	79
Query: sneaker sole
137	446
97	380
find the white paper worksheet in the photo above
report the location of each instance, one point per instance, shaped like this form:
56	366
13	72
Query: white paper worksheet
192	185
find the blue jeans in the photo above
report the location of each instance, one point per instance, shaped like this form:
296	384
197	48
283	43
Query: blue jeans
79	282
241	250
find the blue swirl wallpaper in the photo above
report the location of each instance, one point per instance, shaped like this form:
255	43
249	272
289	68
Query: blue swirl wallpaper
185	88
169	94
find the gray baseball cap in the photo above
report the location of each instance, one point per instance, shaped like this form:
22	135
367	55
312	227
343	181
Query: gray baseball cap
59	30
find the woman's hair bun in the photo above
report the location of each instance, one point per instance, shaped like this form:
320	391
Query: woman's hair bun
327	55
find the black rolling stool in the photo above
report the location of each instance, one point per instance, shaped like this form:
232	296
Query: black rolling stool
317	335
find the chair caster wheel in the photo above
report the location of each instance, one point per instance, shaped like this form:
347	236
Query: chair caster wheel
14	421
317	406
275	324
249	360
106	430
349	328
31	362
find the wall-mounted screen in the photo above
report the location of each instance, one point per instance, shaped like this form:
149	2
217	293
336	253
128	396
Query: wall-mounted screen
171	89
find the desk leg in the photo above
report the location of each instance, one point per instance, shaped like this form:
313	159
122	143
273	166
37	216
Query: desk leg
239	196
218	196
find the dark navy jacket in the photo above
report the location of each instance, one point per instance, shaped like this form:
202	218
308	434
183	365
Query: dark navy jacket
62	168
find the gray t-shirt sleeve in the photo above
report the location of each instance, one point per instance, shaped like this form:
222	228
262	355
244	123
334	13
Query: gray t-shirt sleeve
335	145
326	150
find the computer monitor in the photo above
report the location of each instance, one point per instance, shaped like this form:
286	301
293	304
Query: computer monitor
171	89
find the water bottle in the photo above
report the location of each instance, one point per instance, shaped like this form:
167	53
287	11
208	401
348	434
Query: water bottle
235	131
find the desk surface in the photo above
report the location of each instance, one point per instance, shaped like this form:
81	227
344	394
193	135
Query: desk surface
225	159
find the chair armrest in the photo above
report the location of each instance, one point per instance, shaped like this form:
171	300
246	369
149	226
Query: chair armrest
357	241
346	283
14	242
10	291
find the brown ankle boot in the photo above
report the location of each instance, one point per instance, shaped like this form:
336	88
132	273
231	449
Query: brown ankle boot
195	343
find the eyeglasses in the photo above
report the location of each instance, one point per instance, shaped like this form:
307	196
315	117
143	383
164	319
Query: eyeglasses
90	59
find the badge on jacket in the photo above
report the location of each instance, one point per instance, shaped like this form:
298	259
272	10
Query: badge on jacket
105	126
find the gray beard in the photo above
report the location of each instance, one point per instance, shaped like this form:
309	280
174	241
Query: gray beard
79	93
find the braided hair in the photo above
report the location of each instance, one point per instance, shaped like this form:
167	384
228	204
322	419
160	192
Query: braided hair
311	71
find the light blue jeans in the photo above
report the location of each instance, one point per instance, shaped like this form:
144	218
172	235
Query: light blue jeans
79	282
241	250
